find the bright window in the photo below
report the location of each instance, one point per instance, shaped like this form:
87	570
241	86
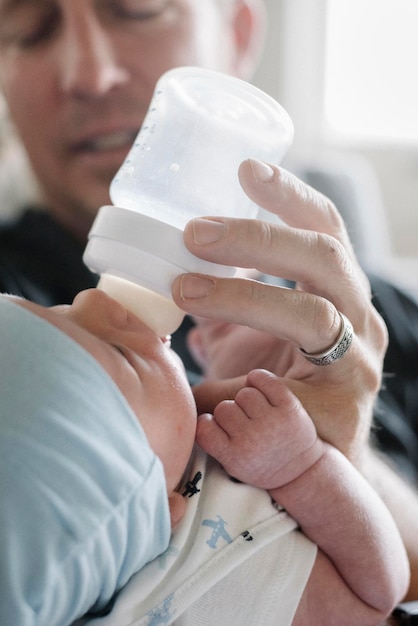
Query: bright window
371	80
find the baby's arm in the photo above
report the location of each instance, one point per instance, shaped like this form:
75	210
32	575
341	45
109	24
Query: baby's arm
265	438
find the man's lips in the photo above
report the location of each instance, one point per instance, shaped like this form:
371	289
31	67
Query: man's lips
105	142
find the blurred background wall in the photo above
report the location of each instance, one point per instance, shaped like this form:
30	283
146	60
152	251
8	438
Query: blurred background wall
360	57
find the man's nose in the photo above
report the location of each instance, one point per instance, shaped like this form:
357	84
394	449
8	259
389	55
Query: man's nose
89	64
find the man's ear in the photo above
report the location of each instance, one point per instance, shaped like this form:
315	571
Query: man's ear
248	22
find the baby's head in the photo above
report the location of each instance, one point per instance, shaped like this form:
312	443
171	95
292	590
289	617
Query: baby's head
92	406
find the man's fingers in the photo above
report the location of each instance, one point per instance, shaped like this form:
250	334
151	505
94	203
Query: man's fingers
210	393
295	202
317	262
308	321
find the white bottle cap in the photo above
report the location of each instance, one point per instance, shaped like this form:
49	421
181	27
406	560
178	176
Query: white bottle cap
138	258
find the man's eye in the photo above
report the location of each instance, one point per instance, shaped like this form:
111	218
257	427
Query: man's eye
30	33
140	9
39	35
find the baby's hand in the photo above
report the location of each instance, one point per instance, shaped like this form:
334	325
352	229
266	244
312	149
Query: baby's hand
264	437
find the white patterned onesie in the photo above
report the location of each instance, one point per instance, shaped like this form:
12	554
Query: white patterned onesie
234	560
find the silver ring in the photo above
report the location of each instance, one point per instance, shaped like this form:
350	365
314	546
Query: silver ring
338	349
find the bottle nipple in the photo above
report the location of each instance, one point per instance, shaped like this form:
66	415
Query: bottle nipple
160	314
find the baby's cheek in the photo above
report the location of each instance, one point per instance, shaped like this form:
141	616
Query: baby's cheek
175	465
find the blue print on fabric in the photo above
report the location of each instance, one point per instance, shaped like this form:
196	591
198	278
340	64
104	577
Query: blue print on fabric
162	614
218	533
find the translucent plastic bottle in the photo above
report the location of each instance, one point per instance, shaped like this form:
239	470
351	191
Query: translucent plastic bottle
199	127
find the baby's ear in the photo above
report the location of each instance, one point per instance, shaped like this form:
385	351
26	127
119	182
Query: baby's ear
177	507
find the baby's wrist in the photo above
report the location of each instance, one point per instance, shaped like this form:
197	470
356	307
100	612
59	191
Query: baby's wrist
300	467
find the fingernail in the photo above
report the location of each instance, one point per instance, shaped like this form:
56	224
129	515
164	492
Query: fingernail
193	287
262	172
207	231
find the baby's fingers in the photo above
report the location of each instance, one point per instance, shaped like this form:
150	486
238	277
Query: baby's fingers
211	437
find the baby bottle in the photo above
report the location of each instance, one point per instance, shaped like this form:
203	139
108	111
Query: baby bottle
184	163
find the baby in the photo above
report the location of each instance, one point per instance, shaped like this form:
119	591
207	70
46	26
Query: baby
97	434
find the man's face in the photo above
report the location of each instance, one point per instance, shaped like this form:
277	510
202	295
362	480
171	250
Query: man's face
78	76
